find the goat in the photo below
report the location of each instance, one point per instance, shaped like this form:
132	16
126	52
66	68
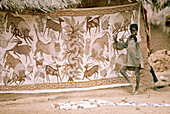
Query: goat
93	23
22	30
53	72
17	66
16	78
11	61
91	71
50	24
21	49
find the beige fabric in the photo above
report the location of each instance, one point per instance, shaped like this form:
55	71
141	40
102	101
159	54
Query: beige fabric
134	57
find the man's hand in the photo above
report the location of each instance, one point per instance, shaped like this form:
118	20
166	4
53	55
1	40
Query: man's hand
134	33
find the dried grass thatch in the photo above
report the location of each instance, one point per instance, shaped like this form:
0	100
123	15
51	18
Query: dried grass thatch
47	6
38	5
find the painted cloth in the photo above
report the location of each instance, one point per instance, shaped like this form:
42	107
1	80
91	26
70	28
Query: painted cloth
134	57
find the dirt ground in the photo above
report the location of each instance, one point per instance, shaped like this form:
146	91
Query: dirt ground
41	103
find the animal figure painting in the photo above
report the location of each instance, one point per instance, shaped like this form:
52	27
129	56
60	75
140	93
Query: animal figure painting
63	51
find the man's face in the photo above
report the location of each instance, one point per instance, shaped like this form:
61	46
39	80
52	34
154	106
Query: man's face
133	31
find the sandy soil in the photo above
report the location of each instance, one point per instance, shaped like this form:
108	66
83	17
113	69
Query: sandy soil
41	103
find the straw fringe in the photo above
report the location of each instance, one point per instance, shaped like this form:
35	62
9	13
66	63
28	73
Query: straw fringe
42	5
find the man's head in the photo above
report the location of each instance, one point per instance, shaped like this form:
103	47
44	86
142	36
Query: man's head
133	28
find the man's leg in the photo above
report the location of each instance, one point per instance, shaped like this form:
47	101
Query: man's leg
123	70
137	73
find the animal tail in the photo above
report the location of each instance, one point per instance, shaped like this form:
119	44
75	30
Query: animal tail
36	33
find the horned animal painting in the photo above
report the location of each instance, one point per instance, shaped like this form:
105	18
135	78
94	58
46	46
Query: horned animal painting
21	49
53	72
19	27
51	24
90	72
12	20
99	45
52	48
11	61
18	79
91	23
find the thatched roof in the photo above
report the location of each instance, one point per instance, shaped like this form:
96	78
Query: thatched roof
47	6
51	5
39	5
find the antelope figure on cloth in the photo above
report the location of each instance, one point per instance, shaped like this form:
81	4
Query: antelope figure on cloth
53	72
91	23
18	79
12	20
22	31
50	24
19	27
91	71
21	49
18	67
11	61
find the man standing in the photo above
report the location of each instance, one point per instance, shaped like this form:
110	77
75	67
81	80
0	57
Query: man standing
134	59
